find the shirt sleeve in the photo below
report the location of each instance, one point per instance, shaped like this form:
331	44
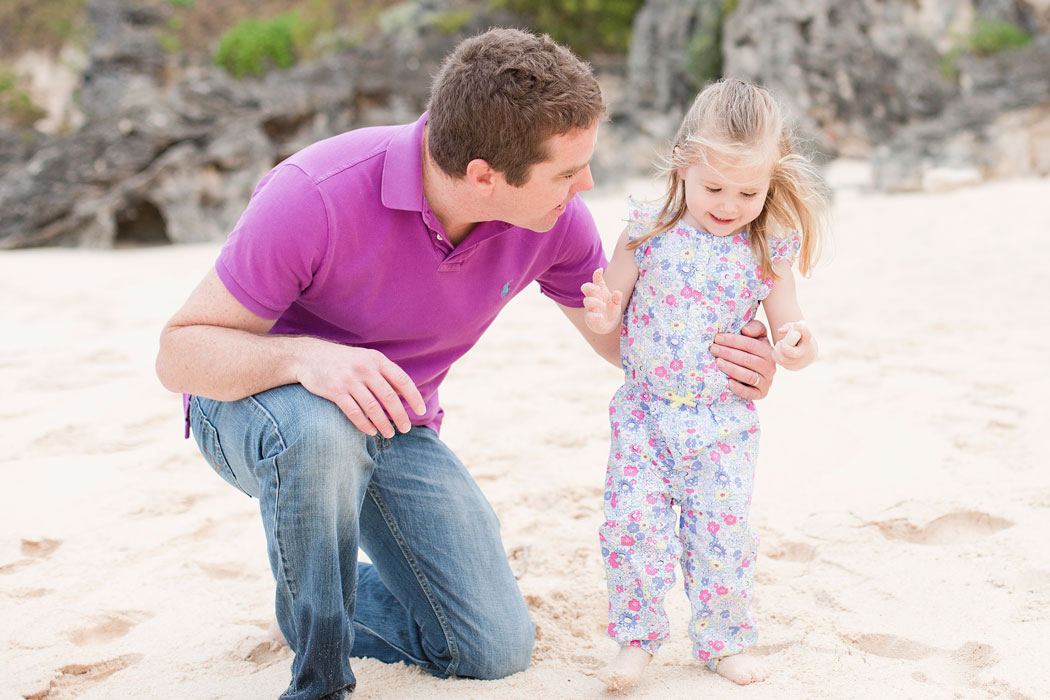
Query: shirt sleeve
578	257
785	248
277	245
640	218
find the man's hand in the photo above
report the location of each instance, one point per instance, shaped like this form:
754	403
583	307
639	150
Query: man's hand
604	307
215	347
747	359
361	383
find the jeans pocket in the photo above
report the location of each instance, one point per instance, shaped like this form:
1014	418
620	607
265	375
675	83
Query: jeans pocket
208	441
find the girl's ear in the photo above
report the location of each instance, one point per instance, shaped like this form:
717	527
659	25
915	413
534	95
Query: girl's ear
680	171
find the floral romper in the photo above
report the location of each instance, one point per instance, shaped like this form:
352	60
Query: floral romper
681	438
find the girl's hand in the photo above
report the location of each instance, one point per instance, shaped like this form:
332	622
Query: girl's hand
604	313
797	347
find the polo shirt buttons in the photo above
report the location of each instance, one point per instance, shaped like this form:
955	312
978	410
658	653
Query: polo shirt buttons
440	238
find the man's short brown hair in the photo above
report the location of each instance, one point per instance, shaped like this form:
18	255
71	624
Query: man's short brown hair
500	95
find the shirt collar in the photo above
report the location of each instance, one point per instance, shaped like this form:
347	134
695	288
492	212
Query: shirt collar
403	168
403	180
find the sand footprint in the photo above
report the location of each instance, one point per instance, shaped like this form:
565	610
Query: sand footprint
33	550
74	679
791	551
963	665
222	571
953	528
108	627
266	653
40	549
891	647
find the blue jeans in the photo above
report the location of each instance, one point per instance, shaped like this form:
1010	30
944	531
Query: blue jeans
439	594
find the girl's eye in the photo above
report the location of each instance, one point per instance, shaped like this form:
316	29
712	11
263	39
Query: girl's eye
749	195
714	189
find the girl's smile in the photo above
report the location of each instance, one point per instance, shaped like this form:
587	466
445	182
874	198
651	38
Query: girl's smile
723	199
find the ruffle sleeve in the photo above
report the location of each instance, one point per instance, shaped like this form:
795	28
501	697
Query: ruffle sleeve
640	218
785	248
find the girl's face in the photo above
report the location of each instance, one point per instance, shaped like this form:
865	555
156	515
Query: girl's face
722	198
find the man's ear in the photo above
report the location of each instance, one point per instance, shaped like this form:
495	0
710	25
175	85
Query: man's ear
481	176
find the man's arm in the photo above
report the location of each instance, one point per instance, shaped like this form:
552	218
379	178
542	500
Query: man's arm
215	347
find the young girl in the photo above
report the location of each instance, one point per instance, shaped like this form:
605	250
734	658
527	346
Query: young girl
741	205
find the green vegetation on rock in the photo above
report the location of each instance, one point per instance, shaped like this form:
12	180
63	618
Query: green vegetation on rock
703	54
16	106
992	36
254	46
453	21
586	26
985	38
43	25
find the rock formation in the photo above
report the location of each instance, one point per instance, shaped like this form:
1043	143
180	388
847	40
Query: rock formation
175	159
170	151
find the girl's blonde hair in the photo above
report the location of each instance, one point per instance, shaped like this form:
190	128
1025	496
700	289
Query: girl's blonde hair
733	122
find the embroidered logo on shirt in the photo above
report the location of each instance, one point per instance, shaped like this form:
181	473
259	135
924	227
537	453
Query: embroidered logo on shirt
506	289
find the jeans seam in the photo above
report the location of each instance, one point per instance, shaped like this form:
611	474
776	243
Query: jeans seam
277	493
208	425
422	663
453	649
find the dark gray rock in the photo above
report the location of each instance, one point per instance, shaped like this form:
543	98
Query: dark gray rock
660	77
999	126
851	73
176	160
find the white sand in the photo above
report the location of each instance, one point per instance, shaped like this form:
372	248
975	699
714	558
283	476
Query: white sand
903	495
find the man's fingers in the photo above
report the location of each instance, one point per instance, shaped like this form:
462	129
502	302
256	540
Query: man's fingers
377	400
390	401
741	373
742	358
752	346
753	329
365	396
354	414
404	385
745	391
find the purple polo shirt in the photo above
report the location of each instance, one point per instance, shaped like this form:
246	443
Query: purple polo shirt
338	242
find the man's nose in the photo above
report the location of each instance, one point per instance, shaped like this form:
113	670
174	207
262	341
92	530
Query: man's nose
584	181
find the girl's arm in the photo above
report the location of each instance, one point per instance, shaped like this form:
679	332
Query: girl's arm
794	345
607	295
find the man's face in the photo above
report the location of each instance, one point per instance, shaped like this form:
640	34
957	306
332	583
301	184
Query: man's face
537	204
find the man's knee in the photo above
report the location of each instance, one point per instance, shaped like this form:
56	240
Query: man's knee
498	650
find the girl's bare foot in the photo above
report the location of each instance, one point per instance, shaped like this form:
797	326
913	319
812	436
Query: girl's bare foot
743	669
625	670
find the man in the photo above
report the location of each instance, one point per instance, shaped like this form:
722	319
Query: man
362	268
